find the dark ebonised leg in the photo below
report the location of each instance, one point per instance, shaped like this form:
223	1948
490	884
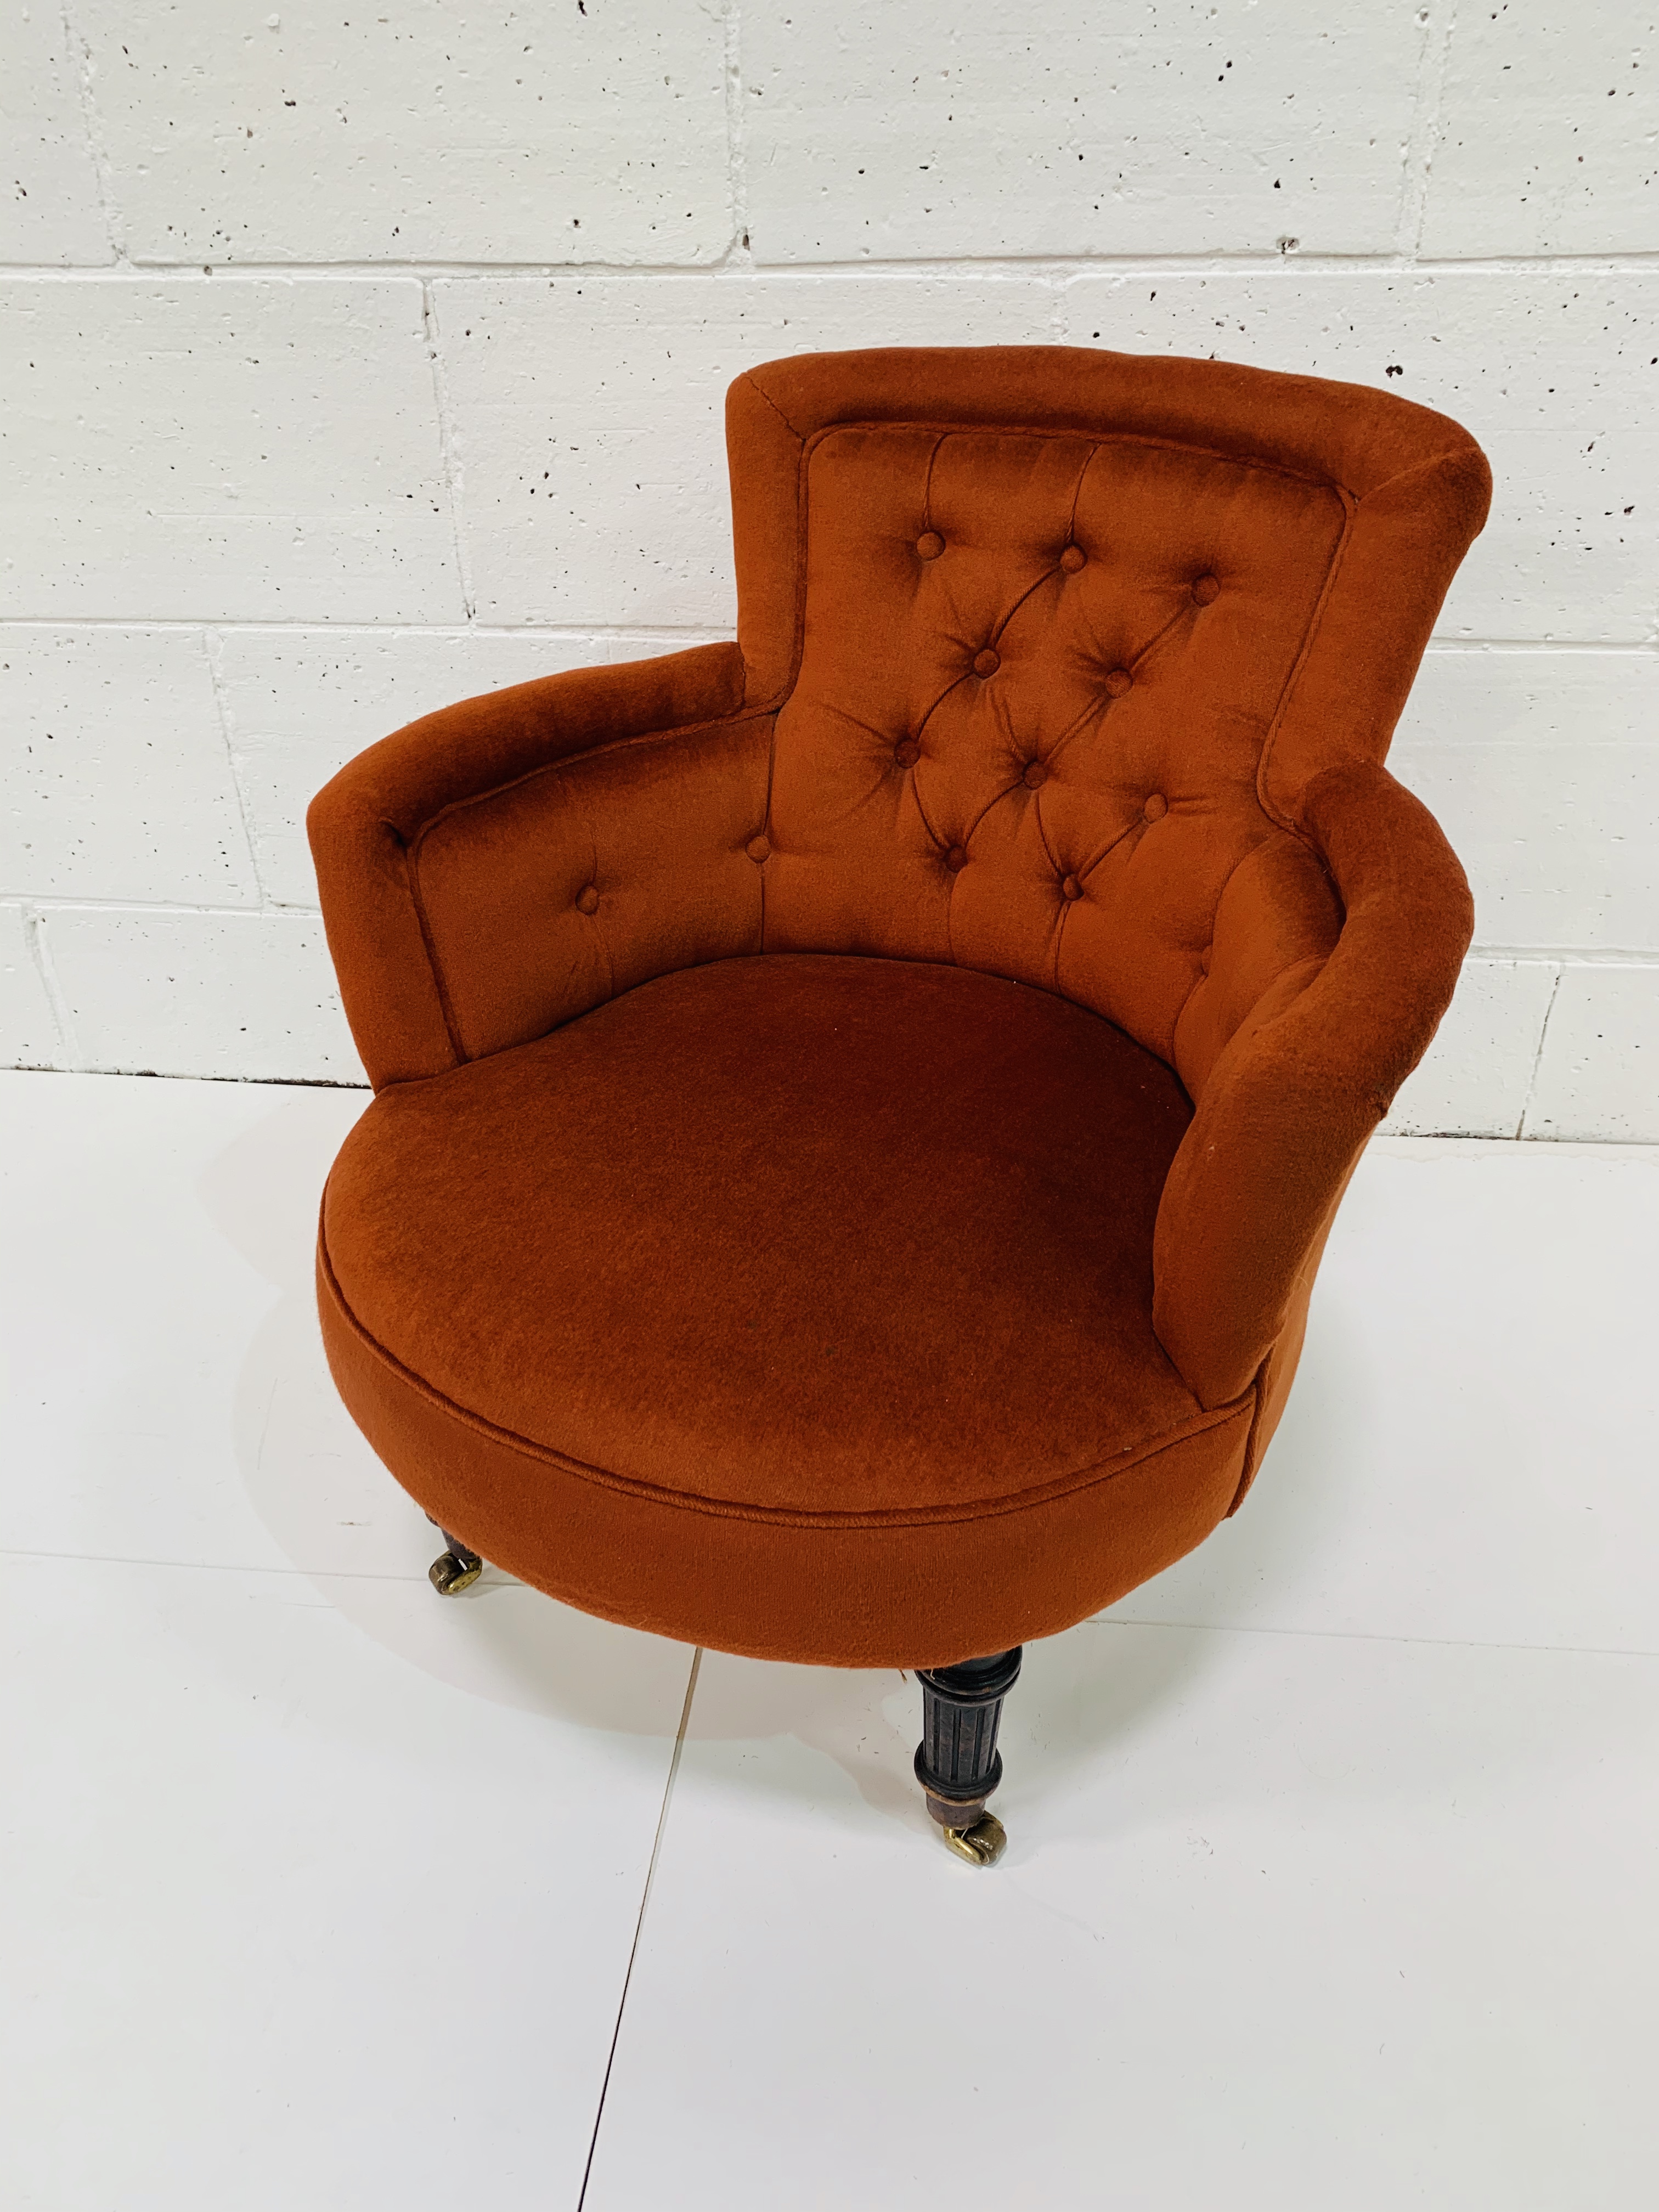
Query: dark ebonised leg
455	1568
957	1763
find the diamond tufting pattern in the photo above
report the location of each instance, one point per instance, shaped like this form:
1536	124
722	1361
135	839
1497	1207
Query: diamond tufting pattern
1077	647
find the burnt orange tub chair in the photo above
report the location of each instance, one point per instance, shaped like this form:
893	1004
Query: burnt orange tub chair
859	1109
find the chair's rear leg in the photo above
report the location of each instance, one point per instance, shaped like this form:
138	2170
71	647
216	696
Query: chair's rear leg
455	1568
957	1763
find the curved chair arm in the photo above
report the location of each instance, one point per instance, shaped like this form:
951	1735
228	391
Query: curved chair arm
369	826
1293	1098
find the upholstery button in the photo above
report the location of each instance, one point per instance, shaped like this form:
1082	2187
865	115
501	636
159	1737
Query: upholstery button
1118	681
1207	590
1156	807
955	859
1035	776
988	662
587	901
907	754
759	849
929	545
1072	559
1070	889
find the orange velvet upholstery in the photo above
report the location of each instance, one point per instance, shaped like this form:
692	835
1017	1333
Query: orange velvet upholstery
859	1109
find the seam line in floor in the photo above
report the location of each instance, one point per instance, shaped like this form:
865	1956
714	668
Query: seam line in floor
639	1925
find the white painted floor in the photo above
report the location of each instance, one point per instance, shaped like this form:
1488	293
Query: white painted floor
1331	1882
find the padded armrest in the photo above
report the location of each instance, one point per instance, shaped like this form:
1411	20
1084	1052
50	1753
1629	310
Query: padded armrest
367	825
1290	1102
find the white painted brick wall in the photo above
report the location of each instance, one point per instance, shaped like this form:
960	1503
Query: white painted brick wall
1547	137
172	991
32	1038
1143	127
352	363
430	132
118	785
222	447
49	209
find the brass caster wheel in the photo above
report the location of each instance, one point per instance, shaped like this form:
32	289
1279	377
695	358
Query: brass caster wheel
450	1575
982	1844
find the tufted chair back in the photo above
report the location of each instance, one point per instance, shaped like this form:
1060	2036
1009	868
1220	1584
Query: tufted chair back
1070	632
1037	676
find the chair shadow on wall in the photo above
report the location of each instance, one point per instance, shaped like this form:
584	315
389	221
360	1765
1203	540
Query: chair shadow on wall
344	1524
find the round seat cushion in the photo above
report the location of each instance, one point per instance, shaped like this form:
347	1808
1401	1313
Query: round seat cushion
796	1305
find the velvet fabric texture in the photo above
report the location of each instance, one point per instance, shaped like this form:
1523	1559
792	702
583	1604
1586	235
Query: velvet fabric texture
859	1109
